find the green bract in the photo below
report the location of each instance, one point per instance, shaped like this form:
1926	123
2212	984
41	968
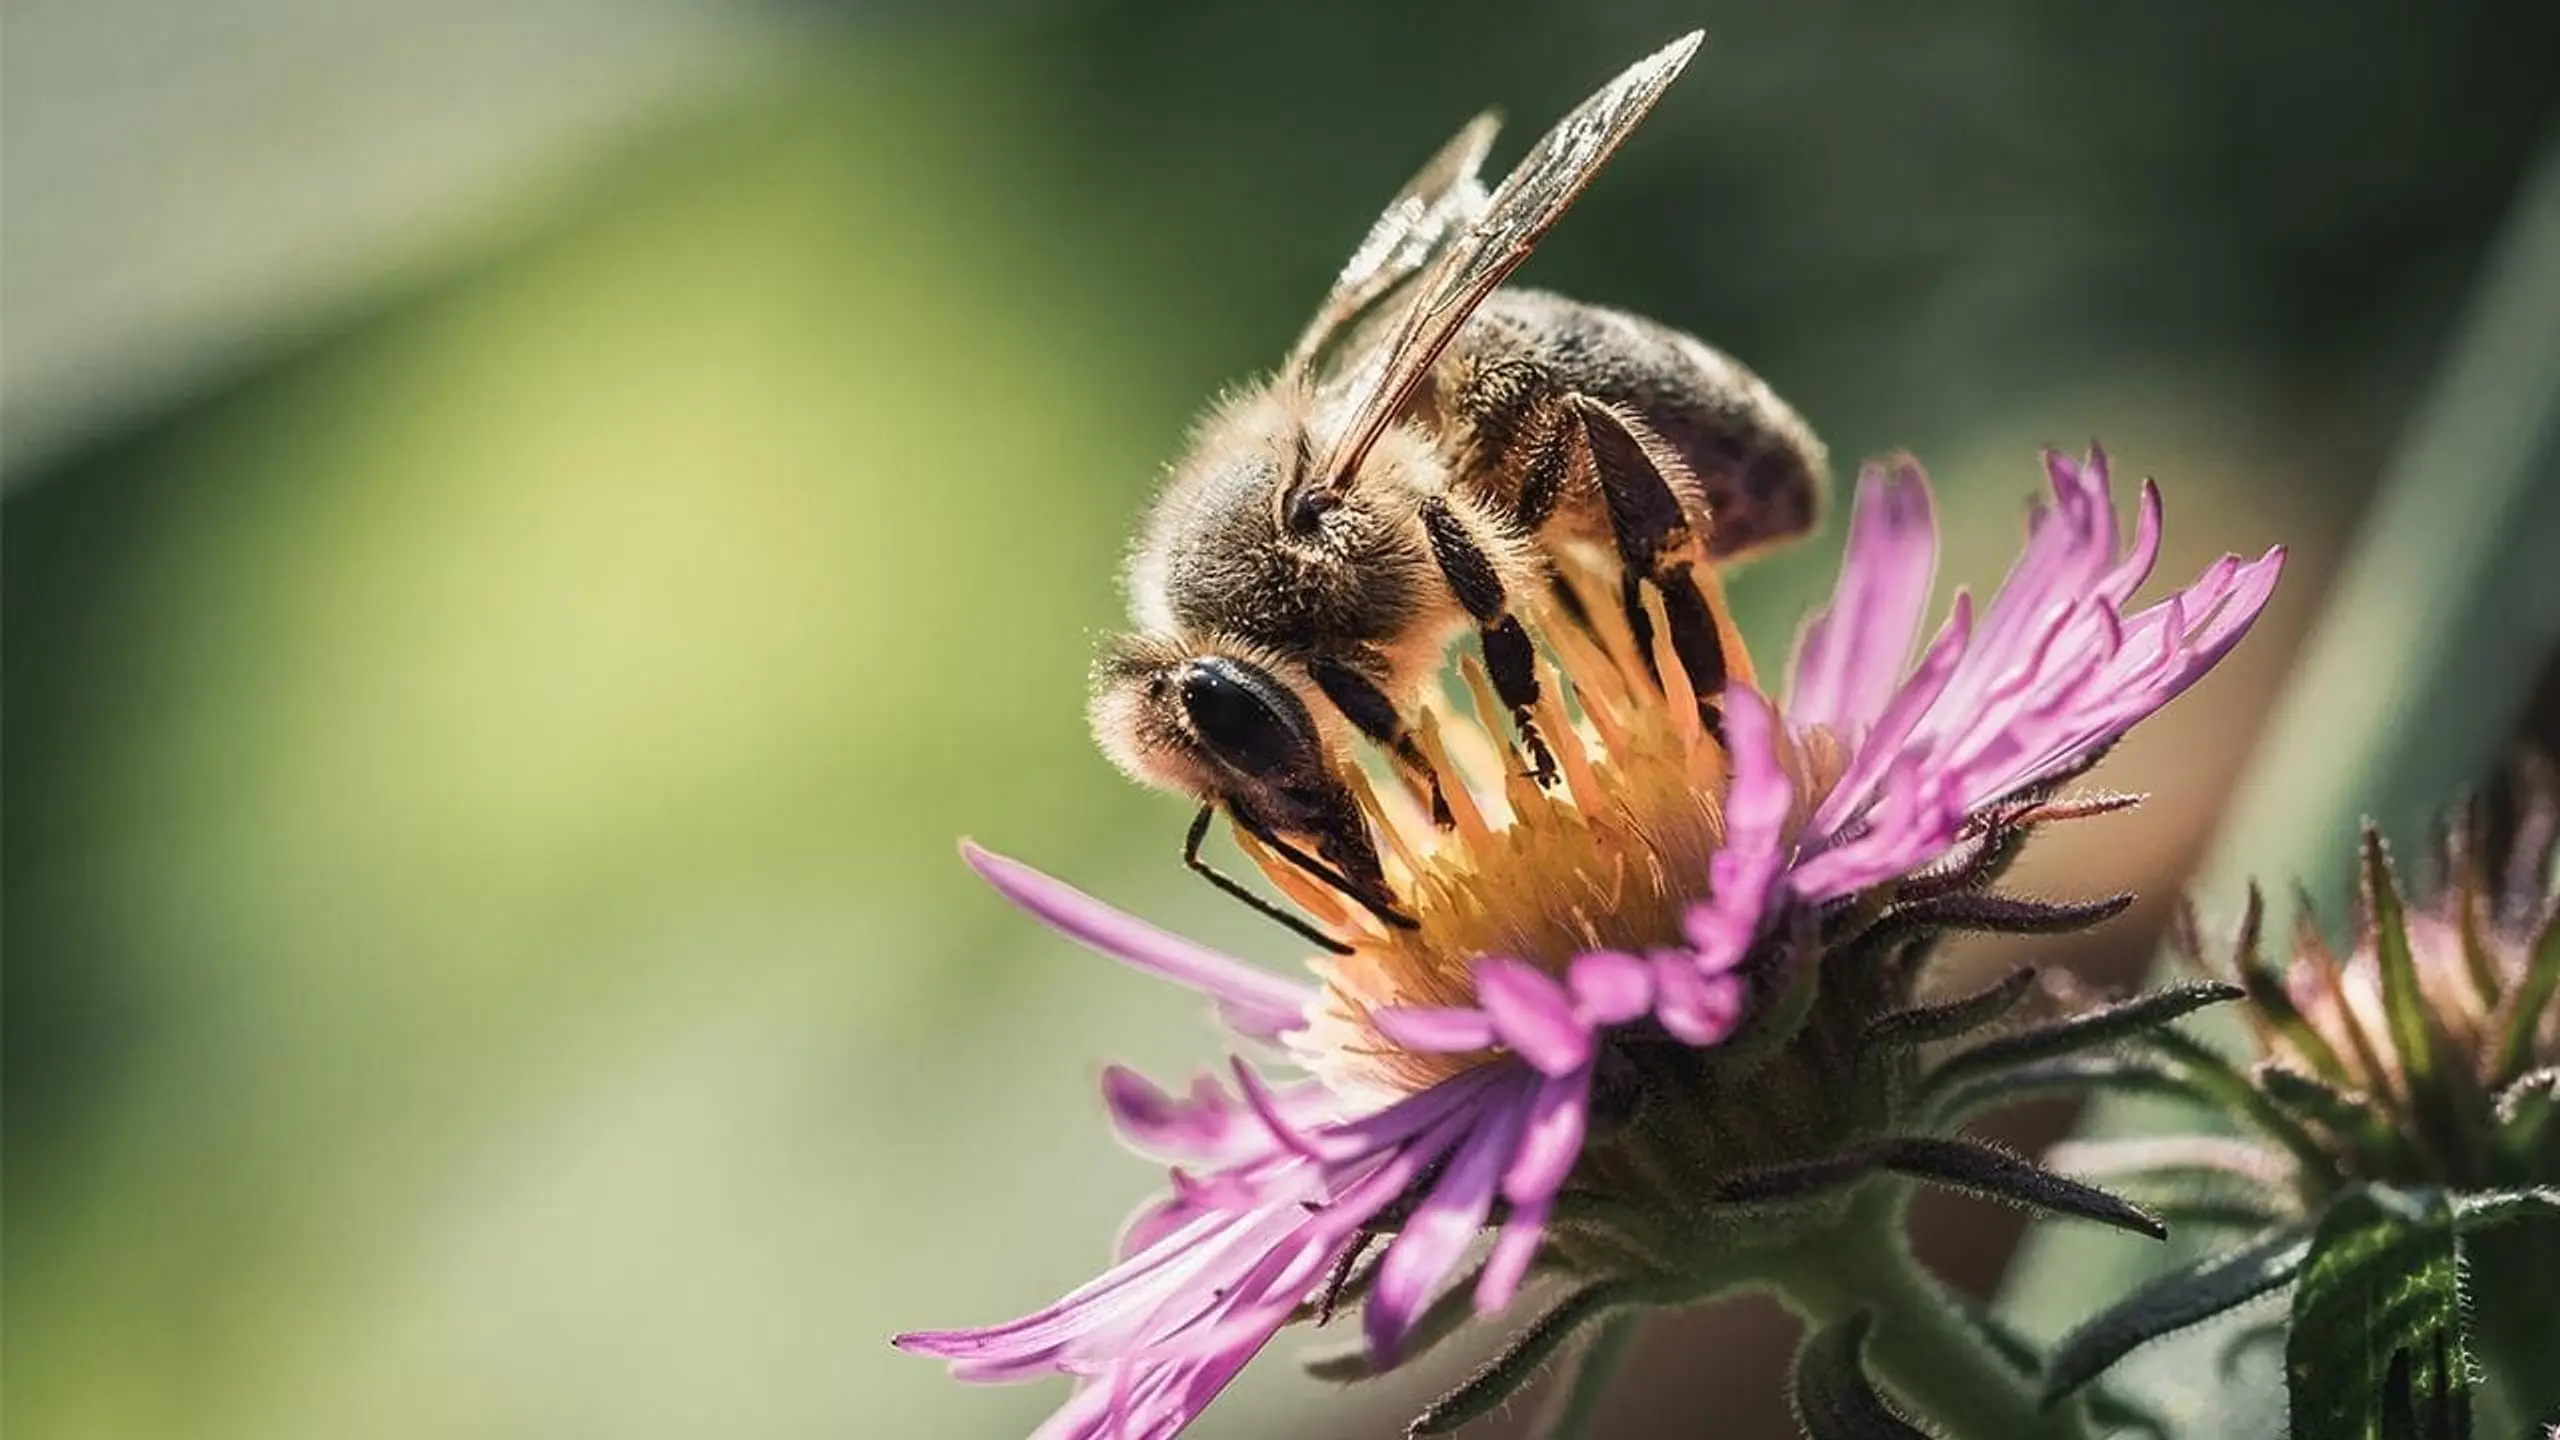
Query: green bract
2402	1169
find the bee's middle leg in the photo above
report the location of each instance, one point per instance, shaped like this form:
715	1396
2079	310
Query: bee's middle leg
1509	657
1655	542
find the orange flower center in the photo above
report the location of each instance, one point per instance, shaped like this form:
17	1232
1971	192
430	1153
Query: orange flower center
1610	857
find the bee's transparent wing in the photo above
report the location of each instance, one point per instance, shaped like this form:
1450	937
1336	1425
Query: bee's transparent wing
1531	199
1441	201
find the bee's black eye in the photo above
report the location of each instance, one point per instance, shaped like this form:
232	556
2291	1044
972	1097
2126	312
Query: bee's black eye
1253	722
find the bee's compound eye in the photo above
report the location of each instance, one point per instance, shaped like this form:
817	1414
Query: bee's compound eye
1241	714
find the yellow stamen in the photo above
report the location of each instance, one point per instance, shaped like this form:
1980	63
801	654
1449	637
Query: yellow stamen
1677	692
1611	856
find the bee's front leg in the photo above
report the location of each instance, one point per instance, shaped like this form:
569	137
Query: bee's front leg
1192	859
1370	711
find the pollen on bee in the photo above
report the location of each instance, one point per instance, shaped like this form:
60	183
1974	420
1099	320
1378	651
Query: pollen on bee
1609	855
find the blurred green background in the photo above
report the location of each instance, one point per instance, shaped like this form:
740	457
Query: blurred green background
532	527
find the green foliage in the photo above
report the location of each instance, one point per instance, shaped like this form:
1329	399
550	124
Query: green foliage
2487	1210
2349	1121
1834	1400
1503	1376
1960	1016
2376	1350
2077	1034
2377	1344
2182	1297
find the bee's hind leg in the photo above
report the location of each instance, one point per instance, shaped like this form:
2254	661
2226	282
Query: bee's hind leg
1655	542
1509	658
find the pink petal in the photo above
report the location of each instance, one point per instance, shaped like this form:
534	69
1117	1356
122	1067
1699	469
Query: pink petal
1551	1140
1436	1030
1852	654
1533	1015
1507	1264
2135	567
1757	803
1158	1124
1267	1109
1438	1232
1610	987
1901	717
1253	1002
1696	1008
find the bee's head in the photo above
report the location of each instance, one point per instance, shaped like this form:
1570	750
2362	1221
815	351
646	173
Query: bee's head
1207	721
1219	723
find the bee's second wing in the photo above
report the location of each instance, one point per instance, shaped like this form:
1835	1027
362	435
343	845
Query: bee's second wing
1534	196
1439	202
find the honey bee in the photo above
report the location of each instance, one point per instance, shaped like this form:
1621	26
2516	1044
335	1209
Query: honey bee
1431	446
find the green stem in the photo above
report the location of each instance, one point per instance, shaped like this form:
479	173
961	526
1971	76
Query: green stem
1923	1348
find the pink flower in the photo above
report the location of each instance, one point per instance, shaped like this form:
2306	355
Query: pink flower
1581	948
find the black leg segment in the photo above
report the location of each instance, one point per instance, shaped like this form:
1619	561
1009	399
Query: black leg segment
1508	656
1367	707
1656	543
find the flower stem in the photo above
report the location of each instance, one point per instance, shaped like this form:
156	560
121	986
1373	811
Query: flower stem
1923	1348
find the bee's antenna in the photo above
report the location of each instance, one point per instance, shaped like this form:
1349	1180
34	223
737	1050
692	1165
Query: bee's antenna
1191	857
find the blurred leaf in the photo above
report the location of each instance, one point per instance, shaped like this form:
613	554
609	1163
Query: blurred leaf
2404	1004
2530	1004
1590	1373
2131	1075
2236	1097
2366	1130
2174	1301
